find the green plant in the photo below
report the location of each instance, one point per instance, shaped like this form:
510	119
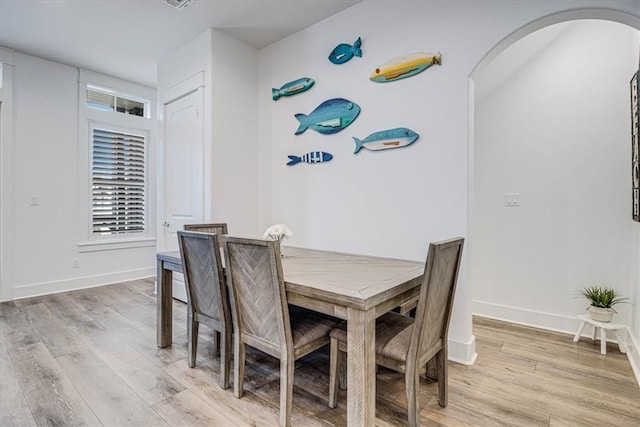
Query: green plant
601	296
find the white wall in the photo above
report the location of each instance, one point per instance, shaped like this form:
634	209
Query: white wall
389	203
230	71
558	133
45	145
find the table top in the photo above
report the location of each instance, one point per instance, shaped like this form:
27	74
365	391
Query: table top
350	280
604	325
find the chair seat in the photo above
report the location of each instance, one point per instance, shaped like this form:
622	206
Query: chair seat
393	333
308	326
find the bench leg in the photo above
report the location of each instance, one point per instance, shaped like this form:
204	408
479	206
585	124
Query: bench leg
621	344
603	341
579	333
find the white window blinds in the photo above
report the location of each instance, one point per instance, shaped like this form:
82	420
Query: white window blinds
118	181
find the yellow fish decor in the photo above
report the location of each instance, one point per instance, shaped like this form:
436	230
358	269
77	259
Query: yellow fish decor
405	66
292	88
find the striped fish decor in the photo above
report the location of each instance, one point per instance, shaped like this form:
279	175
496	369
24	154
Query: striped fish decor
405	66
311	158
386	139
292	88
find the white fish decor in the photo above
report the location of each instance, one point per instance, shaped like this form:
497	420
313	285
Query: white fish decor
385	139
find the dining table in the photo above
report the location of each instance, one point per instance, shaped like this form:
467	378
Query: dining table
357	288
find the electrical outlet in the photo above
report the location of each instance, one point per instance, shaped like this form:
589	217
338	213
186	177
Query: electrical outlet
75	263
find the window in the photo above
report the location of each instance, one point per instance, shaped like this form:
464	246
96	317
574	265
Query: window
116	197
118	181
107	100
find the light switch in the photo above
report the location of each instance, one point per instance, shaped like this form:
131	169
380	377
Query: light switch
512	199
34	201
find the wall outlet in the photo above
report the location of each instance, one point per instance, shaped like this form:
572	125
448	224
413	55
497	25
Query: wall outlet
512	199
75	263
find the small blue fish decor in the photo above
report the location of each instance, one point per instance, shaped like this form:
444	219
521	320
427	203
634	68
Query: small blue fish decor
385	139
311	157
405	66
344	52
292	88
329	117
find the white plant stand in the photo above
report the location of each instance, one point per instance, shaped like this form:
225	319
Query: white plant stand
604	327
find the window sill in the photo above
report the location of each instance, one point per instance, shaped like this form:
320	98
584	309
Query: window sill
113	245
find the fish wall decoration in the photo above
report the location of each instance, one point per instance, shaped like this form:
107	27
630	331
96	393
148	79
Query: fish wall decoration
344	52
385	139
292	88
329	117
405	66
311	157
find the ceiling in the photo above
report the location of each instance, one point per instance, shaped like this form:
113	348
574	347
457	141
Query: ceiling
127	38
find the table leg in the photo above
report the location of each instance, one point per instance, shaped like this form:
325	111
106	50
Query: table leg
579	333
361	363
164	309
603	341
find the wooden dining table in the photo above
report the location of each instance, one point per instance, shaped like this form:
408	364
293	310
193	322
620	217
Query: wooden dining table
357	288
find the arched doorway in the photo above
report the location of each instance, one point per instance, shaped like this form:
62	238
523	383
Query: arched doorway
550	193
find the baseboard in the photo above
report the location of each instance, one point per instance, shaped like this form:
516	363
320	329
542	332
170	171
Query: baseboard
552	322
633	353
37	289
464	353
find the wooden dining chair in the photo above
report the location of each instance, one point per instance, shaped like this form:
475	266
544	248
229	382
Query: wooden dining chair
262	318
207	297
407	344
215	228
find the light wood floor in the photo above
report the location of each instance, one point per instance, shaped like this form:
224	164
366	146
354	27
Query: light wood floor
89	358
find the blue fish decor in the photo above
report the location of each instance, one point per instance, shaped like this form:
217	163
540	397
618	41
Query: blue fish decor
292	88
329	117
385	139
405	66
311	157
344	52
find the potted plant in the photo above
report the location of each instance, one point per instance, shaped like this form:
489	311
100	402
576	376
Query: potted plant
602	300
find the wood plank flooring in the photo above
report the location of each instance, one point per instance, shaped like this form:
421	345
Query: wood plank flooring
89	358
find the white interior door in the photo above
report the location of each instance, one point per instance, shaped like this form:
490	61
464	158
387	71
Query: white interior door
183	172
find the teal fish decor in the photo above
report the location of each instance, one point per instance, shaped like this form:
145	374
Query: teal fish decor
405	66
329	117
311	157
344	52
292	88
385	139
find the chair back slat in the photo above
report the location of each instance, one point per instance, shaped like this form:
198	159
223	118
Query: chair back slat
203	276
436	295
258	298
218	228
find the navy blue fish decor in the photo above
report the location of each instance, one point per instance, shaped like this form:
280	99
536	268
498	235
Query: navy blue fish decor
292	88
329	117
311	157
385	139
344	52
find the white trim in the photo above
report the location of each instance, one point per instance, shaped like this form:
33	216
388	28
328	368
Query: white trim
111	245
633	353
37	289
463	352
183	88
7	204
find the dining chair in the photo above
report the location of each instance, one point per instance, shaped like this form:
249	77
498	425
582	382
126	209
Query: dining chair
207	297
405	344
215	228
261	317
